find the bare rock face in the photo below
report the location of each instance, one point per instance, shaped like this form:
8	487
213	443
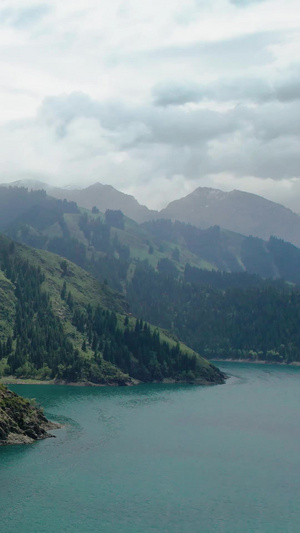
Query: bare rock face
21	422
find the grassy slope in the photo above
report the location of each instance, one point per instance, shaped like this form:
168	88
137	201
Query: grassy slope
134	236
84	289
139	240
7	307
227	251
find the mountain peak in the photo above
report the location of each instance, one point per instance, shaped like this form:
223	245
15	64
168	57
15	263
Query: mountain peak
237	211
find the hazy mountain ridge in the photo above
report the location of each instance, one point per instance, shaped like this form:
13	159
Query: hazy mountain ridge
236	211
156	265
110	243
101	196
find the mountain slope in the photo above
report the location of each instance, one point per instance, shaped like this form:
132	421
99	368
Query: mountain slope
65	325
242	212
109	245
220	318
234	315
245	213
101	196
156	266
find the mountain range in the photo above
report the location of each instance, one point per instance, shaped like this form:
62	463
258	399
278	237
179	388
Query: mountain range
245	213
109	245
237	211
221	293
101	196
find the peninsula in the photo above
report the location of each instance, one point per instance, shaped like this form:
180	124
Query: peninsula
21	421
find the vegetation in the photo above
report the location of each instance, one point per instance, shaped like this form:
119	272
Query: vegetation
220	320
221	293
62	328
107	245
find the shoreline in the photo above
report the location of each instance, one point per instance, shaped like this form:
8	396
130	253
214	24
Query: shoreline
11	380
22	421
250	361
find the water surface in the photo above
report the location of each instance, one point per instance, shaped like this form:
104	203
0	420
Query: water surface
161	458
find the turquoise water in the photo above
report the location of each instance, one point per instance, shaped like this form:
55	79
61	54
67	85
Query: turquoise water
161	458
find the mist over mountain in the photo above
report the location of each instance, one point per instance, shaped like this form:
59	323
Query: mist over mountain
237	211
101	196
216	290
242	212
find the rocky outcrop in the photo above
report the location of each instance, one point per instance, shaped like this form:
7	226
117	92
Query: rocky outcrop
21	421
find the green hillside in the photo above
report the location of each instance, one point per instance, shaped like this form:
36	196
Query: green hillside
109	245
57	322
212	289
227	318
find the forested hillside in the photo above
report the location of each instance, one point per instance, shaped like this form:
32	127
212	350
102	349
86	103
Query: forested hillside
222	318
59	323
231	252
236	211
16	201
215	290
107	245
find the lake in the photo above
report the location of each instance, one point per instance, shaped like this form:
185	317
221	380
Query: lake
161	458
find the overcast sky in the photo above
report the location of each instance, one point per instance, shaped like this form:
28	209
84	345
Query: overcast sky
153	97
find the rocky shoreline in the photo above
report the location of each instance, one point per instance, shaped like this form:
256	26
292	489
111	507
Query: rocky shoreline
21	421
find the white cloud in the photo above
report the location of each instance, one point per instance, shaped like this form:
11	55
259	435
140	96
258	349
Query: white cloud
154	98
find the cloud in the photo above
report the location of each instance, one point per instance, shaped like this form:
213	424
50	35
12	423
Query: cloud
224	90
289	89
143	97
284	88
180	93
245	3
23	17
225	55
77	139
151	125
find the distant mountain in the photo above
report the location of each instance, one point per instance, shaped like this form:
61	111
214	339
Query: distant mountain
101	196
167	273
241	212
237	211
109	245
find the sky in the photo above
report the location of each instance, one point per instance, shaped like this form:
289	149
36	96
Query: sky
155	98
